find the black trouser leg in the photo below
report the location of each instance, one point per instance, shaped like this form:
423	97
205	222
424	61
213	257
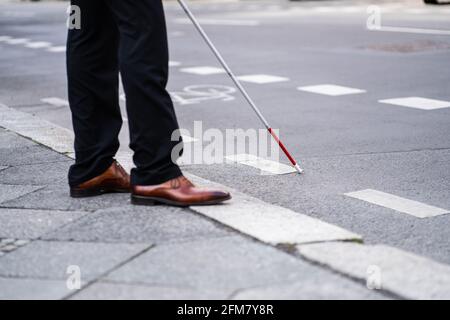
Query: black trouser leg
143	56
93	68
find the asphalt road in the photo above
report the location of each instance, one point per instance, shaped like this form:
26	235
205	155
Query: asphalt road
346	143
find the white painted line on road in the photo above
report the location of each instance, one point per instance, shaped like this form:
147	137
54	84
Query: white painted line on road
417	103
411	30
269	223
221	22
174	64
5	38
41	131
57	102
397	271
331	90
414	208
176	34
15	41
203	71
266	222
189	139
57	49
262	78
38	45
266	166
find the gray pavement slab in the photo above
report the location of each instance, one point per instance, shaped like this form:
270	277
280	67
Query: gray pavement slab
38	174
118	291
134	224
56	197
311	289
50	260
10	140
402	273
30	155
229	263
31	224
9	191
32	289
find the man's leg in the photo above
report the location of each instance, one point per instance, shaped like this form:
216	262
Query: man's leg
152	120
143	58
92	67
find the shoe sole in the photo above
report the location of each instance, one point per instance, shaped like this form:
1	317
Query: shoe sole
153	201
87	193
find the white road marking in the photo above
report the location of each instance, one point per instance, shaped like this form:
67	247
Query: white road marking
204	71
189	139
221	22
174	64
57	49
38	45
266	222
331	90
15	41
397	271
411	30
5	38
176	34
266	166
57	102
262	78
418	103
414	208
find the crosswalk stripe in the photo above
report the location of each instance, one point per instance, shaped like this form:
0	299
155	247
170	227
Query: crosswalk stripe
174	64
330	89
262	78
417	103
189	139
57	49
38	45
16	41
204	70
57	102
414	208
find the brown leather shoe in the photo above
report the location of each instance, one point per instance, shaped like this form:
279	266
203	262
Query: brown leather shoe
178	192
114	179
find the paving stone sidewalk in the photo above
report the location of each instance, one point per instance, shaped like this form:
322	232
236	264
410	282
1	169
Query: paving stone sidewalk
128	252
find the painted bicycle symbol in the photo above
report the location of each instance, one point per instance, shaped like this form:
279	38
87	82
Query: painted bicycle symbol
200	93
